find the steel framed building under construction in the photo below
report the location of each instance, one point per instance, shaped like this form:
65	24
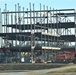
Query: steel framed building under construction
36	31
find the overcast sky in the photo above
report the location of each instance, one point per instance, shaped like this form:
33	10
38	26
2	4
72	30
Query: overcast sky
57	4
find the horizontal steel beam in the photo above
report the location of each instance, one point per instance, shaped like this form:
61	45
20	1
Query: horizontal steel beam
39	11
42	26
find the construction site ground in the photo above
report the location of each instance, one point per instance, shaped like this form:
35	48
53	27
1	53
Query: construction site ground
54	69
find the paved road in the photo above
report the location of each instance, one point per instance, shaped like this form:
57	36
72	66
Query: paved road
36	72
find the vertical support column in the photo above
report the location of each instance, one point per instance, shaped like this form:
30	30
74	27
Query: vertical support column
41	29
75	28
34	25
60	32
50	25
0	28
57	28
40	18
31	35
37	19
12	25
54	28
4	21
23	24
12	22
47	28
27	20
16	24
34	16
6	43
8	21
6	17
27	26
34	30
19	22
5	40
44	27
16	17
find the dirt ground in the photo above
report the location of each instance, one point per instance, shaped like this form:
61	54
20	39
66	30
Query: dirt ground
67	70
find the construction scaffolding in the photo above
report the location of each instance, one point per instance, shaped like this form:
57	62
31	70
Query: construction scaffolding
45	30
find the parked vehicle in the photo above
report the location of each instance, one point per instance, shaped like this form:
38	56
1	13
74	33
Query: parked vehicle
66	57
40	61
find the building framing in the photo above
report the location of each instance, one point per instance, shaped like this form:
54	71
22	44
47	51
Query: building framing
33	30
